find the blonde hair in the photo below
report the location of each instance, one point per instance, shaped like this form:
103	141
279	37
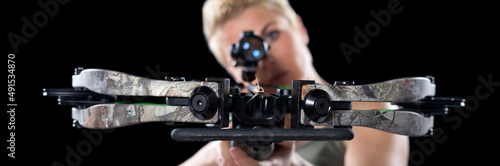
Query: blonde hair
217	12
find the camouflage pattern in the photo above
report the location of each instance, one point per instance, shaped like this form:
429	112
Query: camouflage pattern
397	90
397	122
117	83
106	116
109	82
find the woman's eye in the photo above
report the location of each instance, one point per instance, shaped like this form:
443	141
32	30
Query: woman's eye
271	36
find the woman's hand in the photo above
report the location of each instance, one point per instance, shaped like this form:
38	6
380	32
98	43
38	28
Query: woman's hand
284	154
221	153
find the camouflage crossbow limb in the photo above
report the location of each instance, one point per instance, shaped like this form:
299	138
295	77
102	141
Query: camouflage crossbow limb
258	120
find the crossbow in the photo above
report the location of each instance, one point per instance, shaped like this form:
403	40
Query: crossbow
101	99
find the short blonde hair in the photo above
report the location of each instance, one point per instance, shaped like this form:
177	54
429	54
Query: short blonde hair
217	12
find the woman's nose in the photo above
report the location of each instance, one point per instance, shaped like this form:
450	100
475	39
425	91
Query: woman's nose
268	61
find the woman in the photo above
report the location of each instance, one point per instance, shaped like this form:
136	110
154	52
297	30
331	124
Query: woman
288	59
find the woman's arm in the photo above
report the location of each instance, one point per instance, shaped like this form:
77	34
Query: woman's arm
207	155
375	147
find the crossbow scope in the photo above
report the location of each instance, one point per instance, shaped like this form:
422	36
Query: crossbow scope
248	52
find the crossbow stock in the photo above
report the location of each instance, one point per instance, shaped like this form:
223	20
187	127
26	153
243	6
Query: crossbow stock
258	120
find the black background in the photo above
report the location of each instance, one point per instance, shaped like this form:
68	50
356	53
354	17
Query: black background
453	41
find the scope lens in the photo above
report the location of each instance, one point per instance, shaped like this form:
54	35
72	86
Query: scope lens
246	46
256	53
252	49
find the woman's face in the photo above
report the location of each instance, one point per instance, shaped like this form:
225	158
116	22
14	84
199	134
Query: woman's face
288	57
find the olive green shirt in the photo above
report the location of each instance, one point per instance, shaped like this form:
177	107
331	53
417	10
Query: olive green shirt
320	153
